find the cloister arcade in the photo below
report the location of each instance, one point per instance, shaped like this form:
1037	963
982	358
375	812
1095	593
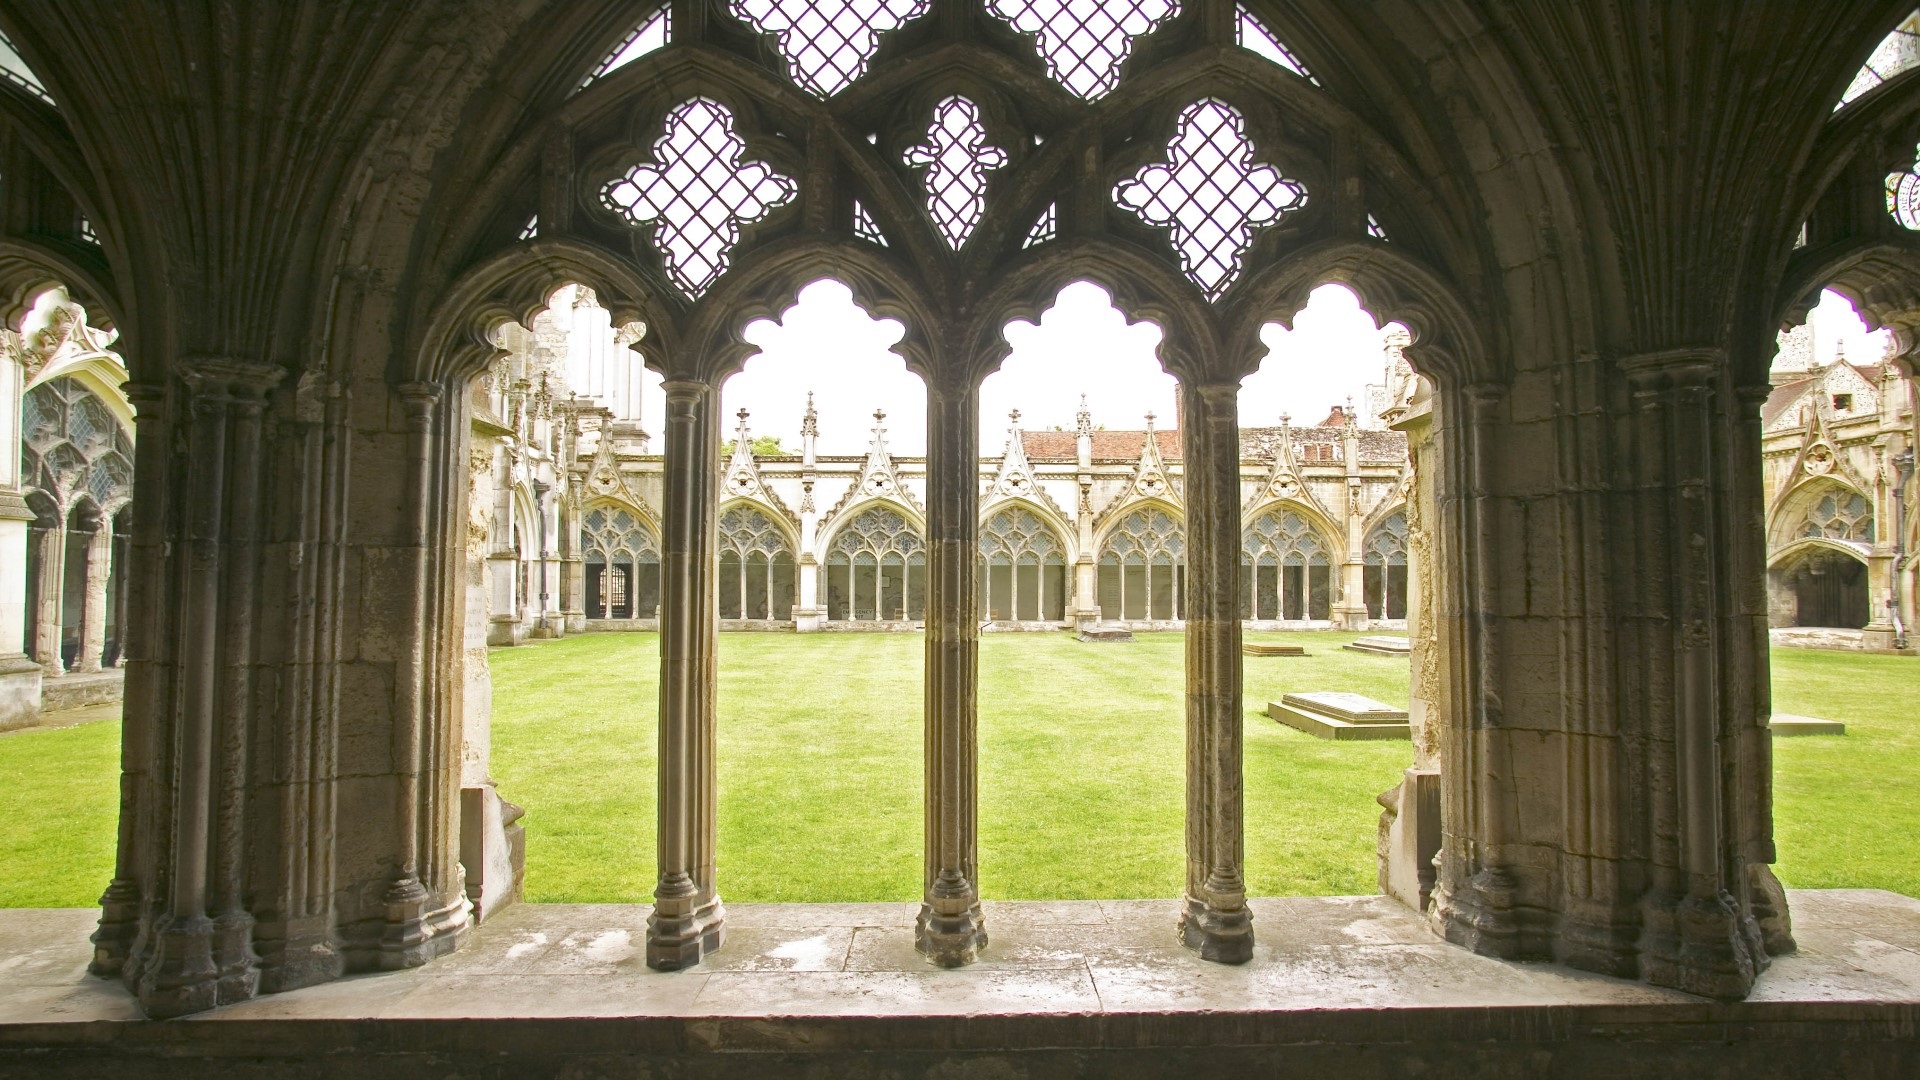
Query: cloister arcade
330	395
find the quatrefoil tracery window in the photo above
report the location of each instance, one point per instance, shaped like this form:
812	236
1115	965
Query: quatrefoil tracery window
696	190
699	194
827	43
1210	195
1085	42
1286	569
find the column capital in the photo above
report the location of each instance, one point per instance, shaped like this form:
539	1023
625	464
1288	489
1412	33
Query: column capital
217	380
1684	368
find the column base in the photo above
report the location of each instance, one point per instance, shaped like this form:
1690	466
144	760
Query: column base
950	939
1702	945
19	691
297	952
1479	914
1224	937
414	934
237	967
493	849
1598	936
1768	901
119	926
678	942
178	976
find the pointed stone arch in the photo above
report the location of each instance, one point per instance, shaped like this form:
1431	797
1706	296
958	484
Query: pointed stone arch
1026	557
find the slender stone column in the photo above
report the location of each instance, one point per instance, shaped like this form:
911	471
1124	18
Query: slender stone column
951	931
53	588
93	612
1216	922
688	920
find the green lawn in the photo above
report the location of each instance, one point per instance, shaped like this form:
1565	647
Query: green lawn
1082	772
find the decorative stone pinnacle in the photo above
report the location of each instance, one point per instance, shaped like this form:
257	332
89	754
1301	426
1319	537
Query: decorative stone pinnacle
1149	419
1084	421
810	422
1014	418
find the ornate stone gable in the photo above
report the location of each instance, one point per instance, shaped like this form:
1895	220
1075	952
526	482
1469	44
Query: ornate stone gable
1015	479
879	477
1284	482
605	480
742	479
1819	455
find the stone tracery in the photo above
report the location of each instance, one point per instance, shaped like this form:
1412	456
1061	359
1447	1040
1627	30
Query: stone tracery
827	42
1085	42
957	158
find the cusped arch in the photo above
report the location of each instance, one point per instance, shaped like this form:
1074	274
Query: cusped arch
1142	288
1791	554
778	521
1055	522
1879	277
769	285
831	532
1331	532
1391	285
515	285
1117	520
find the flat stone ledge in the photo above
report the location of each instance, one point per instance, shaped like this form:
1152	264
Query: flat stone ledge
1380	646
1341	717
61	692
1356	985
1260	648
1787	724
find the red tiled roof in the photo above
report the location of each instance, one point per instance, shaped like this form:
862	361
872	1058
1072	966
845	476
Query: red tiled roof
1108	446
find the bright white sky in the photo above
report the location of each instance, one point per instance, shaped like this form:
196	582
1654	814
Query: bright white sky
1082	345
1835	323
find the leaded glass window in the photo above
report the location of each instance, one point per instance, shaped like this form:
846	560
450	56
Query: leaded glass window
1287	569
877	569
1025	568
1903	196
957	158
15	70
827	43
623	564
1254	36
756	566
1210	195
865	227
651	34
1143	567
1840	515
699	193
1085	42
1385	554
1046	228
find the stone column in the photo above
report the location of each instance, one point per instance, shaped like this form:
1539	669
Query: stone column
1216	922
93	613
53	588
1695	934
688	920
950	931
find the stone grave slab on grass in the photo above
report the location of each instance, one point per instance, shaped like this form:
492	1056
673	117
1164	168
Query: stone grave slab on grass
1785	724
1381	646
1249	648
1340	716
1106	633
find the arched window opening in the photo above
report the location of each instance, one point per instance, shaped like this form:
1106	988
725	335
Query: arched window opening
1821	587
652	33
1143	568
877	569
1085	45
827	45
15	70
1254	36
756	567
1897	52
623	565
1024	569
1287	571
1386	555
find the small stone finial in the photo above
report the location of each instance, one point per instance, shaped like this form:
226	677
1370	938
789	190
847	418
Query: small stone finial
1083	422
1149	419
1286	420
1013	418
810	420
880	419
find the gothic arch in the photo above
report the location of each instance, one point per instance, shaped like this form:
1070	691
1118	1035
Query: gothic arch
829	530
781	522
1789	516
1063	530
1331	532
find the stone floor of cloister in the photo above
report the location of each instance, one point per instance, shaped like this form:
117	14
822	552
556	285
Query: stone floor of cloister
1070	977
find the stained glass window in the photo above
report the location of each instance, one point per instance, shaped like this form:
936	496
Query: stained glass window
1085	42
827	43
1896	53
1903	196
699	194
1209	194
957	159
